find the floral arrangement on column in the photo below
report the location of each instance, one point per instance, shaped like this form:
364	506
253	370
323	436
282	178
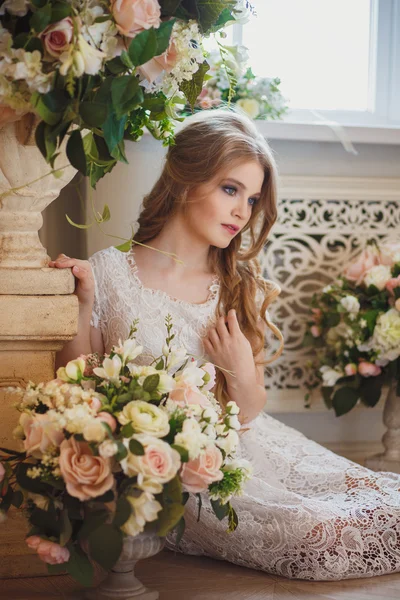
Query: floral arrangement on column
99	72
230	80
354	330
112	448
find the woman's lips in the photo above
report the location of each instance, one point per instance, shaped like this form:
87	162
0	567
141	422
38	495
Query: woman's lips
230	229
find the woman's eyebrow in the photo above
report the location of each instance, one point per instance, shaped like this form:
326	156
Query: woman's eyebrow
240	184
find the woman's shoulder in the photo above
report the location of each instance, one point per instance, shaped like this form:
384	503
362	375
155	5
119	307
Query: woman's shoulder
106	261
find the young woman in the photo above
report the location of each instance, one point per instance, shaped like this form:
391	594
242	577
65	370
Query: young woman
306	513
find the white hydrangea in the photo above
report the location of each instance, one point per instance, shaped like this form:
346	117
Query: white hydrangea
385	339
351	304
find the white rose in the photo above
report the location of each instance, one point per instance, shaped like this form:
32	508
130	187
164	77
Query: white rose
229	442
144	510
330	376
110	370
240	463
191	438
94	431
73	371
145	418
351	304
209	415
232	408
210	432
250	106
233	422
108	448
378	276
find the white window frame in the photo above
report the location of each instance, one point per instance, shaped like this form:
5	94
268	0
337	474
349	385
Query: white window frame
383	111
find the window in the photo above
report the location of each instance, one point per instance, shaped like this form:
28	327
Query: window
336	59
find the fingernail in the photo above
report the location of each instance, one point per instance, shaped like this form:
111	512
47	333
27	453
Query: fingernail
75	268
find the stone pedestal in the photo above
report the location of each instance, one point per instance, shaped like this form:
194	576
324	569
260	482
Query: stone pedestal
389	460
38	310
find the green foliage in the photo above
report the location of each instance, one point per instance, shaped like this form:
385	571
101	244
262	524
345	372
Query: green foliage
105	545
344	399
192	88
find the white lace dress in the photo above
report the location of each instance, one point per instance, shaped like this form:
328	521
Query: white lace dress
306	513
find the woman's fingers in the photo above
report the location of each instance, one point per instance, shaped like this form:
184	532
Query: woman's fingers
222	328
233	323
214	338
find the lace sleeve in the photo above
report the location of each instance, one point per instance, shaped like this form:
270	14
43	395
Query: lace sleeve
97	263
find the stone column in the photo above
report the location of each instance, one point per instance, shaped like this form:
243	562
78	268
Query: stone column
38	310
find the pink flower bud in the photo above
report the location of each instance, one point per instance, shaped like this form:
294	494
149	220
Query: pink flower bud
49	552
350	369
315	331
367	369
105	417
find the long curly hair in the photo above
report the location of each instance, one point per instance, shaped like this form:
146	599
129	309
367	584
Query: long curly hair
205	146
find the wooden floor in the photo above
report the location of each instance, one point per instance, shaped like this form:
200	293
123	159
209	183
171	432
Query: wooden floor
179	577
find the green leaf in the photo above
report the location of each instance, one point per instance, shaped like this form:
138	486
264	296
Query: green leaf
220	510
27	483
124	399
124	247
126	94
344	400
327	395
163	34
185	497
143	47
17	499
93	520
127	430
192	88
45	520
105	544
184	454
106	497
56	101
371	390
371	316
151	382
79	566
106	215
41	18
60	10
122	511
56	569
76	152
113	129
93	113
48	116
180	530
210	12
232	518
71	222
136	447
74	507
66	528
116	66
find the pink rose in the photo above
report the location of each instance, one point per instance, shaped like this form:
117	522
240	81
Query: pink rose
315	331
2	472
188	394
105	417
350	369
198	474
366	260
40	433
49	552
164	62
367	369
86	476
393	283
57	37
210	369
132	16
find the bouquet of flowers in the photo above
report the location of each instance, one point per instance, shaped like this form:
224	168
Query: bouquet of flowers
355	330
114	448
109	68
229	80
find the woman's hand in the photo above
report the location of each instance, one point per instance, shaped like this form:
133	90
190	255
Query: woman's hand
229	348
83	273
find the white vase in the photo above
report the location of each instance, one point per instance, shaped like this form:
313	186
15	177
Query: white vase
389	460
121	583
23	260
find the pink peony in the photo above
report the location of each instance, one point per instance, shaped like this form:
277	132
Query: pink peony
49	552
350	369
40	433
210	369
367	369
164	62
2	472
57	37
198	474
86	476
105	417
356	271
132	16
188	394
315	331
393	283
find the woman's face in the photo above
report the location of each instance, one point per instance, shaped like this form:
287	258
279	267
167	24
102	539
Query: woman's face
218	211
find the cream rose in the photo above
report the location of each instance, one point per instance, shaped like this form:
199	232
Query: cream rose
250	106
378	276
132	16
57	37
41	433
198	474
145	418
144	510
86	476
228	442
73	371
160	462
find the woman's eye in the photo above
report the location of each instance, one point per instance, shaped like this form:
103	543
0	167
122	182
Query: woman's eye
230	190
252	201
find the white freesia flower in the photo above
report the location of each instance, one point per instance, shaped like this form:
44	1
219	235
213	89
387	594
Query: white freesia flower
175	356
145	418
191	438
128	350
144	510
378	276
192	375
330	376
108	448
351	304
110	370
92	58
73	371
229	442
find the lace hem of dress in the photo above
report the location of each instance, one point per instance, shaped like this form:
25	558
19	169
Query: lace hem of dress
213	288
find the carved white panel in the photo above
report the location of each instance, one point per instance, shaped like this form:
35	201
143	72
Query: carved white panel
322	224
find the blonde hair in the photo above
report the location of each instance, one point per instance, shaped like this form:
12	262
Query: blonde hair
206	145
